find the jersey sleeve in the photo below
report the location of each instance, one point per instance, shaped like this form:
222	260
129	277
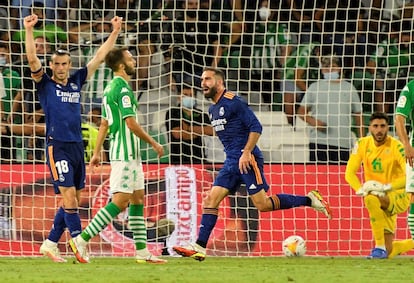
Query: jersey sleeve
353	165
399	153
248	117
404	104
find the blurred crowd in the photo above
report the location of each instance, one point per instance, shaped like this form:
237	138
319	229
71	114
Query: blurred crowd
269	50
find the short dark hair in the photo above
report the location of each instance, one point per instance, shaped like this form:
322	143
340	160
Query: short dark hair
216	71
115	57
379	115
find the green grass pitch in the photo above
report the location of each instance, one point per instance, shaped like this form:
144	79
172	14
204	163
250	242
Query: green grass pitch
213	269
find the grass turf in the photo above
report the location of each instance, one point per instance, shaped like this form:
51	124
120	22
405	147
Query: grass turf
213	269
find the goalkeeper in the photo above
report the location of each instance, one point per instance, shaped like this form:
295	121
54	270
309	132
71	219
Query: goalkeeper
384	193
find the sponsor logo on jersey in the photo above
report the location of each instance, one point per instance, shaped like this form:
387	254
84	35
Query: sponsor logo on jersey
68	96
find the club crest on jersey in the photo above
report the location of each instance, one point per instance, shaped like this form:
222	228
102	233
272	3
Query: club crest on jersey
73	86
126	101
221	111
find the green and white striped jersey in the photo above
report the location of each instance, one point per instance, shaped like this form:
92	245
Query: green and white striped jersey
119	103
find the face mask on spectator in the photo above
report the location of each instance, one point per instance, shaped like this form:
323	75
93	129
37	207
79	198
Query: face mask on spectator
331	76
3	61
264	13
188	102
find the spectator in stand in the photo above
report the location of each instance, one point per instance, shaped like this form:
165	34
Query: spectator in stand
272	44
186	124
23	8
328	106
300	69
52	32
302	20
195	42
390	65
332	19
358	49
153	66
11	81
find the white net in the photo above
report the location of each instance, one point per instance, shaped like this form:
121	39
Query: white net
270	52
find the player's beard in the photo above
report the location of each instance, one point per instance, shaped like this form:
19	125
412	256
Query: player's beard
380	138
130	71
211	92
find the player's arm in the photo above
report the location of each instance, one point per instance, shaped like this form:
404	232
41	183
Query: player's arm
399	183
106	47
136	128
32	59
403	136
103	131
352	167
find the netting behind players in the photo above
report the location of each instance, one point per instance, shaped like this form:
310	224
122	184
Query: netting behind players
270	56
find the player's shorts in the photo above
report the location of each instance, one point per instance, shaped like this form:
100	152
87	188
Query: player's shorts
229	177
399	203
126	176
409	184
66	163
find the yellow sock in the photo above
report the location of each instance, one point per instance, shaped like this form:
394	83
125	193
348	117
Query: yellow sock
376	218
400	247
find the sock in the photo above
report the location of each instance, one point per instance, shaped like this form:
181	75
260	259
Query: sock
100	221
58	226
401	247
72	221
287	201
137	225
208	221
376	218
411	220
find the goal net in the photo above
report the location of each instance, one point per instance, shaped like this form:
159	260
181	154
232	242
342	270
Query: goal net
270	52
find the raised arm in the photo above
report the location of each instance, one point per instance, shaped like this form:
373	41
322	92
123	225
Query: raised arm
33	60
106	47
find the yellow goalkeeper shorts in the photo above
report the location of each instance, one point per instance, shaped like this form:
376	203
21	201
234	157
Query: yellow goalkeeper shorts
399	203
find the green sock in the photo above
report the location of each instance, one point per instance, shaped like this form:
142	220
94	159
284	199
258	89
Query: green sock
100	221
410	220
137	225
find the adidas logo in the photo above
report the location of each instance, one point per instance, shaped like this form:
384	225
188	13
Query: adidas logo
252	187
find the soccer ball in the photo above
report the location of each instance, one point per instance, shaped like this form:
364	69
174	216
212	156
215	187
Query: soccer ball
294	246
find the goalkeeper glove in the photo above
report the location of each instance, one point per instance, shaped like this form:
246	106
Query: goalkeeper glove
374	188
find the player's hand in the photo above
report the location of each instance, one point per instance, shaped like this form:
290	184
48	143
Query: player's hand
116	23
30	21
244	162
361	192
409	155
159	149
95	161
375	188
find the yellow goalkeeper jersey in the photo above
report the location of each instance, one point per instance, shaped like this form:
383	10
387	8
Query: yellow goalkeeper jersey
385	163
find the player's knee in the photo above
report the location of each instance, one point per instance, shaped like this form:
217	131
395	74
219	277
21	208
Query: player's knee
372	202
